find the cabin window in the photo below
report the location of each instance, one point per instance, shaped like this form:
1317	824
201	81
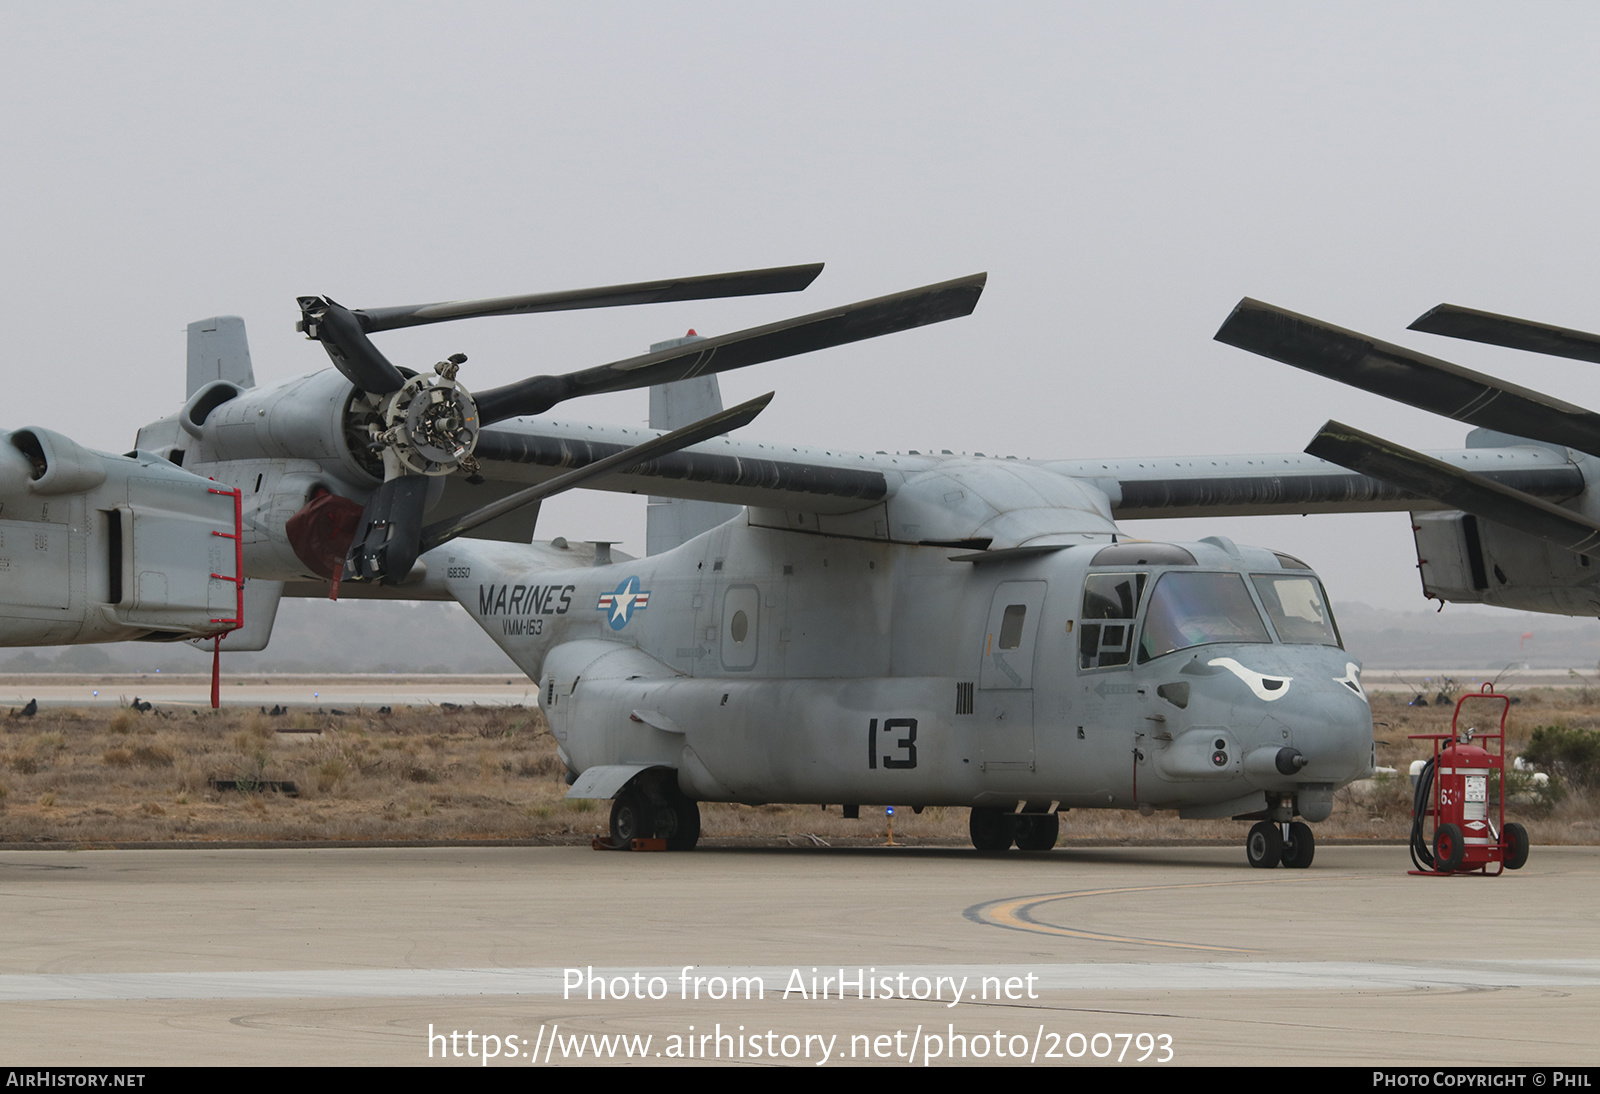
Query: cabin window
1011	626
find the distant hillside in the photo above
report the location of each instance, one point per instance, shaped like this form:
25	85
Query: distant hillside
310	636
1468	638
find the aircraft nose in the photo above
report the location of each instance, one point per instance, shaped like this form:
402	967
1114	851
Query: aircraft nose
1330	726
1300	713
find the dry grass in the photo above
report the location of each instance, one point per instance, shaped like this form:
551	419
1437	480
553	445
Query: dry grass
492	773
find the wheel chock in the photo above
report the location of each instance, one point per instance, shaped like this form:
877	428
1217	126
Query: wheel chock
603	843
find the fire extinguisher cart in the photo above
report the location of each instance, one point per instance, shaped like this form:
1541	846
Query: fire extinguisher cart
1470	833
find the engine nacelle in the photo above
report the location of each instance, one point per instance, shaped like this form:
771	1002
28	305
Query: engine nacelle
102	548
281	446
1466	559
305	419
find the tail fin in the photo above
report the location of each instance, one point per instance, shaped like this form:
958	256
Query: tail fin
218	350
673	521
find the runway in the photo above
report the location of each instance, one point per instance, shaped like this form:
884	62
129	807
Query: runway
559	956
354	690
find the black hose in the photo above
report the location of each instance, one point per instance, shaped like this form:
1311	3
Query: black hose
1421	799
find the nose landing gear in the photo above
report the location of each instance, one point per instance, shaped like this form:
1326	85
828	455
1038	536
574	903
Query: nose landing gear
1271	843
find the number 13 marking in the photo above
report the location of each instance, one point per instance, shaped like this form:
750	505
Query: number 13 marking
908	743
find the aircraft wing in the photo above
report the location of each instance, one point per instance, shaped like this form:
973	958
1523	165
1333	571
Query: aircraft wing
797	478
729	469
1295	483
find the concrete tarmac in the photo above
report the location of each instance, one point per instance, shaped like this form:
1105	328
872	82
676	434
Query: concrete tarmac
1084	956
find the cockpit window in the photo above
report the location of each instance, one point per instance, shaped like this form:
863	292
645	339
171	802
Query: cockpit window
1110	603
1194	609
1299	611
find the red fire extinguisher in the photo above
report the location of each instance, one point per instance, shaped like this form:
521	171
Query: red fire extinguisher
1463	789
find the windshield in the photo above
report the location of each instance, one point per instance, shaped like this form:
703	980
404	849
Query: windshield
1299	612
1190	609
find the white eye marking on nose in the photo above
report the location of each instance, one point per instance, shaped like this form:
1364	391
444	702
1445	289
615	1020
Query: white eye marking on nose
1267	688
1352	680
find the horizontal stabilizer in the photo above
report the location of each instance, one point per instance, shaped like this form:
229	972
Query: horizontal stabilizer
1504	330
1458	489
1408	377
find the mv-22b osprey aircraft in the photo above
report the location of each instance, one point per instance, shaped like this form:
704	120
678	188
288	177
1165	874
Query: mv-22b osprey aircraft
809	626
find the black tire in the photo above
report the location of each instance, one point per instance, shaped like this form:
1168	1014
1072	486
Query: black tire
1264	845
990	828
1449	849
629	818
685	823
1037	831
1514	846
1299	848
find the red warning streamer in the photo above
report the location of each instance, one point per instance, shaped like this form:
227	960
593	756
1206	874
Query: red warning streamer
237	535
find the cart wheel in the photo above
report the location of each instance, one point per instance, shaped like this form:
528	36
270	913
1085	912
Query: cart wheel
1514	846
1449	849
1264	845
1299	847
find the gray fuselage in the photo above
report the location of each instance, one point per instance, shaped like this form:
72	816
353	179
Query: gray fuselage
767	665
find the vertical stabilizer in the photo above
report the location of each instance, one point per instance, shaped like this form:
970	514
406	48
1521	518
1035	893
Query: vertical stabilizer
218	350
672	521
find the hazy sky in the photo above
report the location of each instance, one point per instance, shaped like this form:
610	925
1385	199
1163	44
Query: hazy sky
1125	172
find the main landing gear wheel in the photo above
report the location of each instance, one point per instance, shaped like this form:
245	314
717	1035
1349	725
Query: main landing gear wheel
1299	847
1264	845
1515	842
1037	831
627	818
637	813
990	828
1449	849
681	829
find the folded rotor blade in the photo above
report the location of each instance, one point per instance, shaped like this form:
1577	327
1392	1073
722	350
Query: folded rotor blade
1456	488
1504	330
1408	377
820	330
703	430
711	286
387	538
352	353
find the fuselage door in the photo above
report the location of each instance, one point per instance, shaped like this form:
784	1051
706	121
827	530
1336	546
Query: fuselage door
1004	704
1009	640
